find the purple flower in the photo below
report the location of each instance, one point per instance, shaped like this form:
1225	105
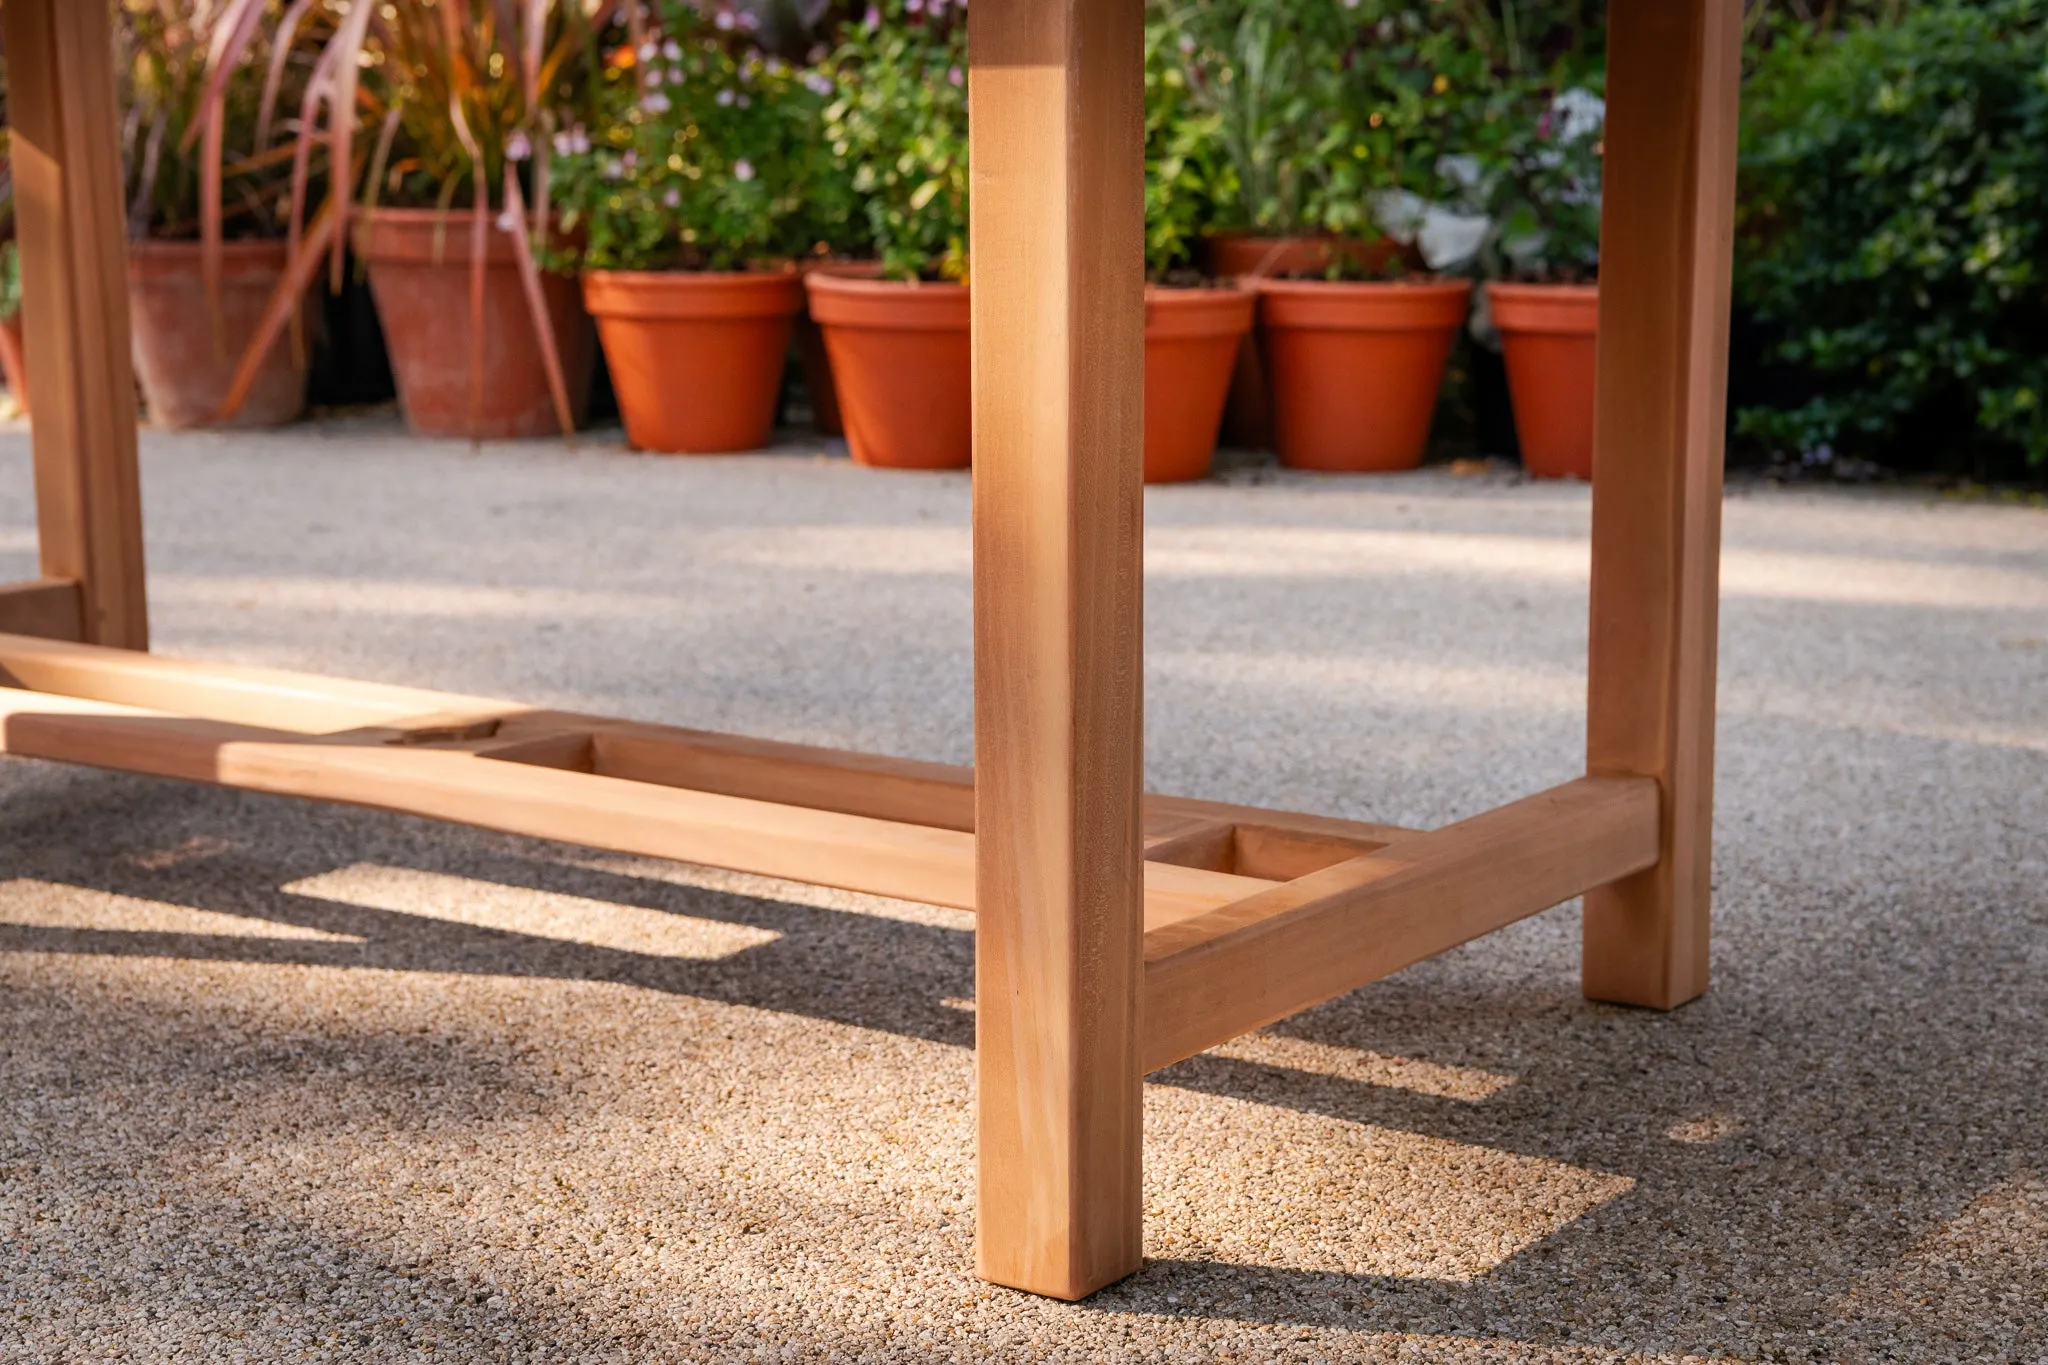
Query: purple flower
913	6
655	102
725	99
724	20
673	199
818	83
743	170
872	20
518	147
672	50
955	76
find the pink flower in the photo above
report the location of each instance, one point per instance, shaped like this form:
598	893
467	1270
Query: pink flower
743	170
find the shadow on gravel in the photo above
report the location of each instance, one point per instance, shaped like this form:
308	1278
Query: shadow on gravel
1837	1155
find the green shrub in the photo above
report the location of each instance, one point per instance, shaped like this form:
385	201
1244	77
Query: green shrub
702	152
1894	185
898	120
1187	178
1319	109
10	280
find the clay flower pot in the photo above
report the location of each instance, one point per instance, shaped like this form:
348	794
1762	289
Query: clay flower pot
11	367
185	363
1546	335
903	364
1248	417
810	348
1192	339
1356	368
418	262
696	357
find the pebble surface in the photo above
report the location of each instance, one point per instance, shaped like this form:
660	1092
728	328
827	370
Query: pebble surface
282	1082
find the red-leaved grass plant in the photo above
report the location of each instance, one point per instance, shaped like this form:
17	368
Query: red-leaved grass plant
452	98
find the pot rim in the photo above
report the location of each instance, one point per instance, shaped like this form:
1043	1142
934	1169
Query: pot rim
1365	305
1544	309
1192	314
887	305
1522	290
692	295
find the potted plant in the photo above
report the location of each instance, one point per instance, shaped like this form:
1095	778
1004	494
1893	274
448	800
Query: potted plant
1356	350
899	344
1193	329
454	211
1546	206
686	199
208	171
1274	76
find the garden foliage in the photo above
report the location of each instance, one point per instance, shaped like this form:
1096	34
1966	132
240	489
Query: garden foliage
701	154
1893	184
898	122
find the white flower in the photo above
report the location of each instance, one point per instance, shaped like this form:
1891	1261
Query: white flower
672	50
743	170
612	169
518	147
724	20
1580	113
579	141
725	98
674	198
647	51
818	83
655	103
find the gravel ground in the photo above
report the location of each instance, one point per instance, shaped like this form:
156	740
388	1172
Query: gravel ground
285	1082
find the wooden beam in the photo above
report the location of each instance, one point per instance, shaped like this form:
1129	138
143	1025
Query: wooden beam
49	608
1659	435
1210	978
66	158
877	785
827	848
1057	239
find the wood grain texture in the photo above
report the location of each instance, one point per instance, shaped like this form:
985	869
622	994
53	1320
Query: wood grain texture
1057	155
1212	977
1666	249
74	269
496	786
877	785
49	608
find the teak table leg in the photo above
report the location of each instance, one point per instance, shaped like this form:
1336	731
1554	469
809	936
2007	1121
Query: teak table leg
67	193
1057	248
1666	242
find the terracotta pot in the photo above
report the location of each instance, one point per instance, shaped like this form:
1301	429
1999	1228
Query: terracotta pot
812	355
11	367
903	364
186	363
1192	337
1356	368
418	263
1248	417
696	357
1546	334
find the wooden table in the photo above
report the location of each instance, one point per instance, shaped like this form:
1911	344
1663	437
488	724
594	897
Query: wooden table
1117	932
